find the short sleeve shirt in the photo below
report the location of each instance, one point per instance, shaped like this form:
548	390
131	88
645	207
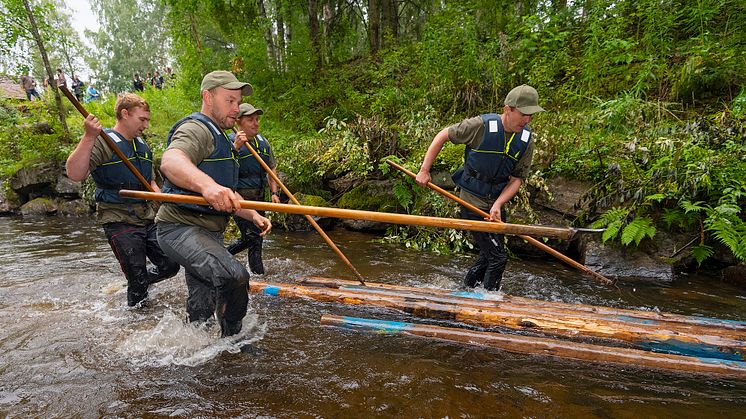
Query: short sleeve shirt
194	139
139	214
471	132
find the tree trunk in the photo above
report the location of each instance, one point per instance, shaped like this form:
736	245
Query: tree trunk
313	27
50	73
271	54
195	34
373	26
281	41
328	13
389	20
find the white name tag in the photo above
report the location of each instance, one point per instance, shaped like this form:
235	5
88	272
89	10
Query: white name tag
493	126
525	136
115	137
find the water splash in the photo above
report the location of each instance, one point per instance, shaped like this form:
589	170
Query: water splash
174	342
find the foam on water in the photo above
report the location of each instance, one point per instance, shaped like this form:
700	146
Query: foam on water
174	342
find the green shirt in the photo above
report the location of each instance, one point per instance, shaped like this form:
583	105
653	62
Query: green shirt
139	214
194	139
471	132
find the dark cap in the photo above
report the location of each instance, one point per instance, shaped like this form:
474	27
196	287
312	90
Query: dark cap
525	98
226	80
247	109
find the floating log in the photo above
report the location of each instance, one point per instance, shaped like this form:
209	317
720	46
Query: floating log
546	347
384	217
730	327
567	325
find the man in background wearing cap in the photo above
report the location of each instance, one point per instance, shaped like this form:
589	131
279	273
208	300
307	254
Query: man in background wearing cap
496	160
200	160
252	180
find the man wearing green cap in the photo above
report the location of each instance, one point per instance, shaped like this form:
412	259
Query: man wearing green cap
252	180
496	160
200	160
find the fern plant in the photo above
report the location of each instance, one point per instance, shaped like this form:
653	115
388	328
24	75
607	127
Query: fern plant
724	222
620	222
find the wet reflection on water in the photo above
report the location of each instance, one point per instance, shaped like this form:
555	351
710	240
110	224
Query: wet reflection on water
70	347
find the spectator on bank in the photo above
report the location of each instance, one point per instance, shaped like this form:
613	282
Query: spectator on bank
137	83
157	80
92	94
60	78
29	86
78	87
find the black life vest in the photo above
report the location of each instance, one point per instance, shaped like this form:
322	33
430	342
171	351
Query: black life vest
113	175
488	167
251	174
221	165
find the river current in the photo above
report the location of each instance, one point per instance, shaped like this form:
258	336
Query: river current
70	347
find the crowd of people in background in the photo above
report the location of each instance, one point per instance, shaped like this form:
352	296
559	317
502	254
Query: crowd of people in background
155	79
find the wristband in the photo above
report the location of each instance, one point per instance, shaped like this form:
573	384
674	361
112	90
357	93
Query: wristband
275	193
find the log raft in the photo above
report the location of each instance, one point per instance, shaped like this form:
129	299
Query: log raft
687	340
733	328
546	347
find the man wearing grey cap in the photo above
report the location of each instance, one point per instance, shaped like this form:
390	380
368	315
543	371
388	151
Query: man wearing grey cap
497	158
200	160
252	180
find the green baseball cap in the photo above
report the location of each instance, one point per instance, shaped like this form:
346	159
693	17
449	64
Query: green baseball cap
226	80
525	98
247	109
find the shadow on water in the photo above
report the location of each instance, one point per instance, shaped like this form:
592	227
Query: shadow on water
71	348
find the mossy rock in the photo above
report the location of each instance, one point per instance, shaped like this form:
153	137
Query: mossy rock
371	196
297	222
75	208
9	199
39	206
312	200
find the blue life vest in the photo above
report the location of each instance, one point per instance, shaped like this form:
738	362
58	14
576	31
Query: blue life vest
251	174
113	175
221	165
488	167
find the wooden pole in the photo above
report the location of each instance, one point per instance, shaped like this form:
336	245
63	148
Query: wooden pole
733	328
566	326
384	217
313	222
530	240
107	139
545	347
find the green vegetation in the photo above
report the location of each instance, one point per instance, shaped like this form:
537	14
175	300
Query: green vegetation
646	99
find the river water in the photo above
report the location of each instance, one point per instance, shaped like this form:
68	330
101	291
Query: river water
69	346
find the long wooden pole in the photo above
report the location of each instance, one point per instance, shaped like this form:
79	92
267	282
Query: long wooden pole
544	346
313	222
732	328
640	335
384	217
107	139
530	240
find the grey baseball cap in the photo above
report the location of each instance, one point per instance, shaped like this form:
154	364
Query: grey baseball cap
525	98
226	80
247	109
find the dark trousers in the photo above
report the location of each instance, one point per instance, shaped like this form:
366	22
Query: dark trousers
250	239
131	245
216	281
32	92
490	264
